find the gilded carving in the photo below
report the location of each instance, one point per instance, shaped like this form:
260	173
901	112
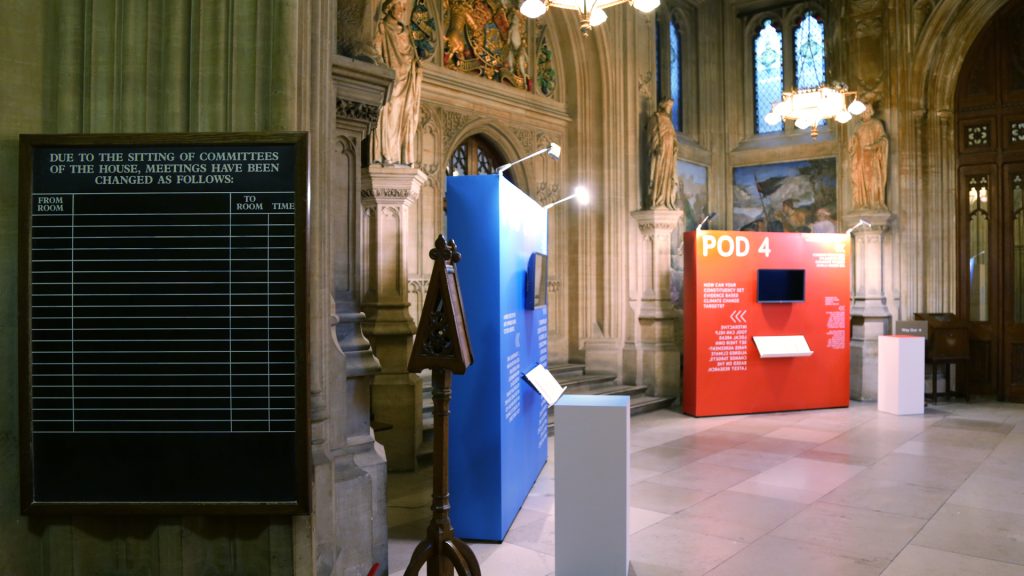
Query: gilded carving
487	38
547	79
423	29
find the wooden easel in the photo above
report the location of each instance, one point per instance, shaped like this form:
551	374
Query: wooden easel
442	345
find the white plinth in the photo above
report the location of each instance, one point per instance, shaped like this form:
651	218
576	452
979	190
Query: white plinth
901	374
592	485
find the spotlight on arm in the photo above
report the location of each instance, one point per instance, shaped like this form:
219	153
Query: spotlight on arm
706	219
552	149
859	224
580	193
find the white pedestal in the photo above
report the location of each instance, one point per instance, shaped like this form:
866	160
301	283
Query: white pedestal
592	485
901	374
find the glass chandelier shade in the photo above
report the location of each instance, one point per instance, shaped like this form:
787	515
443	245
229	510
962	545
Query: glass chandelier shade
808	108
591	12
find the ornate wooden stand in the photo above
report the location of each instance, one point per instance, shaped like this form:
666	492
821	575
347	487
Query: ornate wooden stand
442	344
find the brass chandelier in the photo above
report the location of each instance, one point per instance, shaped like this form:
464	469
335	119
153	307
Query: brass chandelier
591	12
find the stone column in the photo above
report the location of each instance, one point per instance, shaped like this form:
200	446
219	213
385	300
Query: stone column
397	396
870	317
350	531
657	344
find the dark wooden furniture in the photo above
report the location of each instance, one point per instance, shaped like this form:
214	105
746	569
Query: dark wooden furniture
947	344
442	344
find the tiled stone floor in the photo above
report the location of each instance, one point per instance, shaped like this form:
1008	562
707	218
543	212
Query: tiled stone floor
824	492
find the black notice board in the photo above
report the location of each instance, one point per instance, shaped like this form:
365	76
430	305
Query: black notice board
163	323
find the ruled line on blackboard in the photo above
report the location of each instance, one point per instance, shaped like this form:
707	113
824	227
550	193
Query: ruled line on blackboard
164	193
158	259
128	431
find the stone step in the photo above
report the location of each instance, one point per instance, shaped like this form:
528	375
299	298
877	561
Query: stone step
565	370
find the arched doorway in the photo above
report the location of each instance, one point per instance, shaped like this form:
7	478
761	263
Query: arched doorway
990	203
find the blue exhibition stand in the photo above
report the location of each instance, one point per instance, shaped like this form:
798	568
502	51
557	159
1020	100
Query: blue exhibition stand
498	423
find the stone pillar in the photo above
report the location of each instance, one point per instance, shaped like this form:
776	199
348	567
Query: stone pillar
350	530
397	396
657	344
870	317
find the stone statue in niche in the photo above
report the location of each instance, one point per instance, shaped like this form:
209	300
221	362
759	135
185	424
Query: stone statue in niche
869	161
662	143
356	29
393	141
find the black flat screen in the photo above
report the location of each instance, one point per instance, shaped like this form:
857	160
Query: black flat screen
780	286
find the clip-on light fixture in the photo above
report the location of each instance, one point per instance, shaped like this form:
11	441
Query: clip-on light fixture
862	222
580	193
552	149
706	219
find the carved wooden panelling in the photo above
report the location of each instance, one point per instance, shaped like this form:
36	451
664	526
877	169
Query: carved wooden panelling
1015	132
976	135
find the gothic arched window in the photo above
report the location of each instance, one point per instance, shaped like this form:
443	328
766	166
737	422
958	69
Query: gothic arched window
767	75
675	61
788	49
475	155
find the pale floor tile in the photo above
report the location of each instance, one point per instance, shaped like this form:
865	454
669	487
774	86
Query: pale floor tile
777	445
941	450
961	437
991	493
771	556
735	516
664	499
774	491
887	495
713	440
513	560
538	536
703	476
921	561
976	532
945	473
687	553
663	459
802	434
869	480
809	474
640	518
745	459
865	533
638	475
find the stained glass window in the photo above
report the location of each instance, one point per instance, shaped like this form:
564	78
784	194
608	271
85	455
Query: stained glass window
767	75
809	52
458	165
675	77
484	164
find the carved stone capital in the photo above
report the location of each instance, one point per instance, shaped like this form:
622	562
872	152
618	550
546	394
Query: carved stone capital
655	222
391	185
360	111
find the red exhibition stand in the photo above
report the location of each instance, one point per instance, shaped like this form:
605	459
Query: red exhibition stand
766	322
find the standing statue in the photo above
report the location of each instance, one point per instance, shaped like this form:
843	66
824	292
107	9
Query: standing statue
869	161
393	142
661	140
356	31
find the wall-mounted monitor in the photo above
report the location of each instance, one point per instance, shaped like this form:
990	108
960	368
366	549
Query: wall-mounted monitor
780	286
537	281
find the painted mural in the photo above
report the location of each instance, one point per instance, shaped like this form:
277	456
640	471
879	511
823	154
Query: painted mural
692	199
787	197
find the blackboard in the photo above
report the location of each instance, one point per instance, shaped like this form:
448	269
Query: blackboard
162	323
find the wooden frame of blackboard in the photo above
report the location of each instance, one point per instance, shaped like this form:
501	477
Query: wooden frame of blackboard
298	477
